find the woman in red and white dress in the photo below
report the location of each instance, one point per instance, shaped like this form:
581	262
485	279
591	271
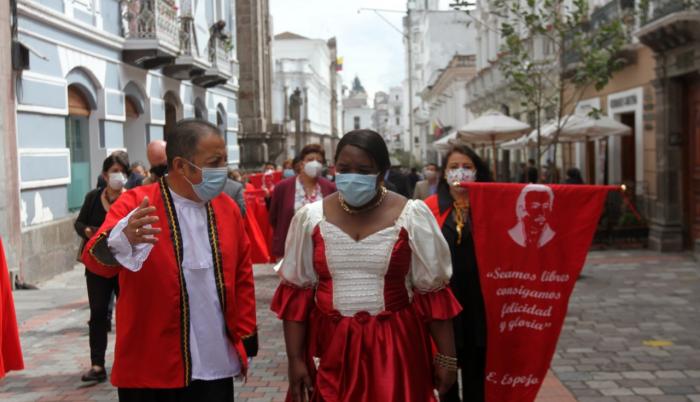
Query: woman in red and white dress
365	288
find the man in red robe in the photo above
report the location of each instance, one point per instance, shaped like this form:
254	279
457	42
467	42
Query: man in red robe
186	310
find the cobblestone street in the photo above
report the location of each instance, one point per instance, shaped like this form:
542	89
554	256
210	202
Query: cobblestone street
632	334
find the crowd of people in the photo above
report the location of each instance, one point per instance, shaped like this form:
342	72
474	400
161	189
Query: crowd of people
379	291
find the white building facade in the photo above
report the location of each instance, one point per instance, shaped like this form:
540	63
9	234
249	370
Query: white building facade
106	75
445	99
304	66
389	117
357	114
432	38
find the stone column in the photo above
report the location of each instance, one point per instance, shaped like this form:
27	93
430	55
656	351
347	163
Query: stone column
666	223
9	183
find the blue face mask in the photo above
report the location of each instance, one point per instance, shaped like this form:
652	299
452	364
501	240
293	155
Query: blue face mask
213	182
356	189
288	173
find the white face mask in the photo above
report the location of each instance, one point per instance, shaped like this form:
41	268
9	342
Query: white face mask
116	181
313	168
461	175
429	174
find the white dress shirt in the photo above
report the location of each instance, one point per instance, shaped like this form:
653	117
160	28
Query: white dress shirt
213	356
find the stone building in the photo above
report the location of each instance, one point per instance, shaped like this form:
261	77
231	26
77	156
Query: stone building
100	76
671	29
258	142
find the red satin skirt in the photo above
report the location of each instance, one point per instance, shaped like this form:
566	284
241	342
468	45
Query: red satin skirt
384	358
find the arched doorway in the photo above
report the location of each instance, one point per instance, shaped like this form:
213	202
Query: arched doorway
78	142
172	113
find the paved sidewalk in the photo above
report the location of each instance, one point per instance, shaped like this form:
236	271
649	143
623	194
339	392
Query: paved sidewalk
623	301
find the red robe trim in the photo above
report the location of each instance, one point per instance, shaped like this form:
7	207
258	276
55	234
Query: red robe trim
10	348
152	347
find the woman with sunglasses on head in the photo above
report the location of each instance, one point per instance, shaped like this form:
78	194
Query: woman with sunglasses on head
450	206
365	288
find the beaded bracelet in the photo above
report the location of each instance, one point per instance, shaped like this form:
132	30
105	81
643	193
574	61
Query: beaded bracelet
446	362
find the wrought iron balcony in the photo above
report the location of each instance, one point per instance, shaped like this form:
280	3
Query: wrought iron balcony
220	60
613	10
667	24
151	31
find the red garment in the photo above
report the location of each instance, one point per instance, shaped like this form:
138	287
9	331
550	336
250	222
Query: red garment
386	357
259	252
432	203
152	346
256	206
10	348
282	209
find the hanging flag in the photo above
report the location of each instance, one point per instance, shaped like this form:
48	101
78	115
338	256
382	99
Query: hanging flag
339	63
10	349
437	128
529	255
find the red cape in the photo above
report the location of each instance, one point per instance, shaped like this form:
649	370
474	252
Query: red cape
10	348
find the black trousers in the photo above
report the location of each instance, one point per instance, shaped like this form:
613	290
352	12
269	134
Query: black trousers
198	391
100	291
472	363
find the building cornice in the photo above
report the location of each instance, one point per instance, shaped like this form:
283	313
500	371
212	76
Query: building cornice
53	18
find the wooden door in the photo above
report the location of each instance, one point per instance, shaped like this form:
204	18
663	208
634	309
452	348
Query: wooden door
692	193
628	154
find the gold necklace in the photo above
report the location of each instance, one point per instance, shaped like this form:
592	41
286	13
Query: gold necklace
460	212
352	211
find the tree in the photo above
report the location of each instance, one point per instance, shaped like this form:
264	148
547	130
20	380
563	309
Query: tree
552	53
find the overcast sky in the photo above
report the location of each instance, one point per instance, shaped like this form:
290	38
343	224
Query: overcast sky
371	49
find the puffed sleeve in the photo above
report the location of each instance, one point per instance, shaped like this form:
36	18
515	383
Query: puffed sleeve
294	296
431	265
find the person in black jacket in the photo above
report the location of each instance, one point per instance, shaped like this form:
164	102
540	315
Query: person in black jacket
462	164
92	214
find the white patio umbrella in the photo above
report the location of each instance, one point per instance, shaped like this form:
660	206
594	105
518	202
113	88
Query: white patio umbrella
490	128
444	143
517	143
577	128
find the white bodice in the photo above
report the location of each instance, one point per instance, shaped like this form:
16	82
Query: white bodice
358	268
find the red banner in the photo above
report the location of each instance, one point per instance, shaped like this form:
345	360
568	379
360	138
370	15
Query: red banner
531	242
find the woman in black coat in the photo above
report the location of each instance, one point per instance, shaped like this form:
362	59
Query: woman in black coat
450	205
97	202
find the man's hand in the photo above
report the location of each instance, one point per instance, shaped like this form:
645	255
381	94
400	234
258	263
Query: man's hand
136	231
299	380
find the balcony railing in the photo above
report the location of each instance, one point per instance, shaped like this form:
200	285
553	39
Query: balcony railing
186	35
220	53
657	9
150	20
612	11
